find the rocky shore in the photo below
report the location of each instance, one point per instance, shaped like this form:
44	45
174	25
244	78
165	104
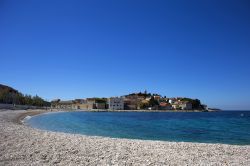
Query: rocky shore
23	145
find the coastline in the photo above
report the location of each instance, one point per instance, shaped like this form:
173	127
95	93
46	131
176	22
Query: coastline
108	110
22	116
23	145
18	119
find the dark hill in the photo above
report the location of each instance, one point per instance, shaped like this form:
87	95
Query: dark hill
7	89
9	95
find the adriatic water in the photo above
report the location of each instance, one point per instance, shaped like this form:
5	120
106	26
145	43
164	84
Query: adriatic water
228	127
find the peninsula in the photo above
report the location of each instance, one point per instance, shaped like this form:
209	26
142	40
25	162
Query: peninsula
10	97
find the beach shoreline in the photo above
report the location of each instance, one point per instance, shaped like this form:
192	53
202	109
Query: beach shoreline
18	119
23	145
21	116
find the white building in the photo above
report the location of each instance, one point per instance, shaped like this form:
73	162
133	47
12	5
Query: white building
116	103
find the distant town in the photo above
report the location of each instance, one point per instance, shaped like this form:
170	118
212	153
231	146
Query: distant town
12	98
134	101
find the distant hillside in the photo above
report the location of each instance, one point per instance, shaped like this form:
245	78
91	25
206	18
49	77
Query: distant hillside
9	95
7	89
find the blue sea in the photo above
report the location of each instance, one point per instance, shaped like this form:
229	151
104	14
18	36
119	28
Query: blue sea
227	127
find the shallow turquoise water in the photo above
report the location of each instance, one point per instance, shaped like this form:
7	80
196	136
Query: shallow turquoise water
230	127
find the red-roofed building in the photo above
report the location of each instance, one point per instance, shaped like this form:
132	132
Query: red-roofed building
165	106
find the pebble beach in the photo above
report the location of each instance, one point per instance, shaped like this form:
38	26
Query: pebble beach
23	145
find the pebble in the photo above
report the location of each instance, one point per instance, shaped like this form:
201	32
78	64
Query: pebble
23	145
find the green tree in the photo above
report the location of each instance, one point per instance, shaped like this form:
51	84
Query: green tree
9	95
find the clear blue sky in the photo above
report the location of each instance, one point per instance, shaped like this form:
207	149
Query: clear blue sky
76	49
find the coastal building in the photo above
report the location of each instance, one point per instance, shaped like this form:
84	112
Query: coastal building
89	104
170	101
116	103
157	97
186	105
156	107
54	103
165	106
80	101
65	105
132	102
93	103
84	106
100	106
176	105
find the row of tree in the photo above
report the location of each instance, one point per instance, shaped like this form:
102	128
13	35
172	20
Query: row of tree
9	95
144	94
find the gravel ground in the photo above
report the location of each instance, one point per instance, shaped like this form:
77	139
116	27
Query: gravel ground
23	145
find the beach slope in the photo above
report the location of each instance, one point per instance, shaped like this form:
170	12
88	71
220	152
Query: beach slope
23	145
